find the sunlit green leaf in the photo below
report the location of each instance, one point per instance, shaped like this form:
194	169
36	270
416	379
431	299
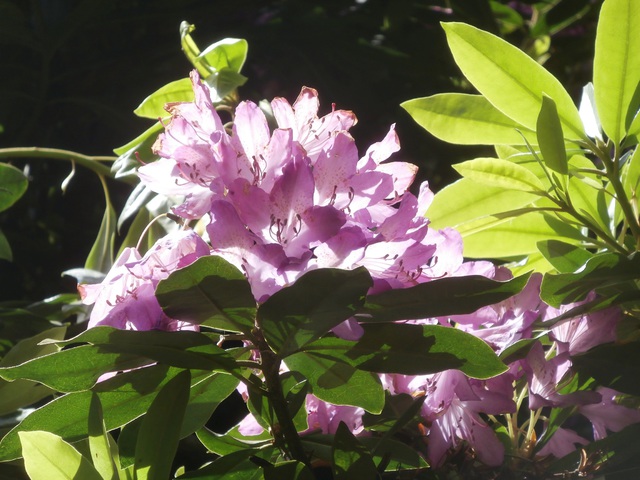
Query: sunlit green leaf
154	105
563	256
500	173
227	53
351	459
99	442
211	292
225	444
318	301
338	382
616	66
138	149
159	431
464	200
100	257
48	457
466	120
550	137
631	175
511	80
13	184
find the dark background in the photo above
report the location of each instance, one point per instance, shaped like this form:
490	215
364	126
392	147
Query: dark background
72	71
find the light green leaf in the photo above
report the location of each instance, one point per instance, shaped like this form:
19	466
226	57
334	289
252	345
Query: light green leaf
228	53
518	236
500	173
139	148
616	66
589	202
466	120
351	459
13	184
154	105
511	80
566	258
48	457
631	175
464	201
550	137
338	382
159	432
100	442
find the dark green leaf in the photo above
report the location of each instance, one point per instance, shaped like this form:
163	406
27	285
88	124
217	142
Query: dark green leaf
412	350
13	184
291	470
615	366
551	138
603	270
241	465
446	296
337	382
211	292
99	442
313	305
100	257
226	444
159	432
351	459
5	248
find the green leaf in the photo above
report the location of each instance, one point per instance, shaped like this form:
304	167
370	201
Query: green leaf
159	432
99	442
500	173
154	105
518	236
291	470
101	255
241	465
225	444
445	296
602	270
228	53
13	184
466	120
138	149
631	175
550	137
5	248
566	258
338	382
211	292
123	397
616	66
48	457
411	350
318	301
74	369
590	202
351	459
511	80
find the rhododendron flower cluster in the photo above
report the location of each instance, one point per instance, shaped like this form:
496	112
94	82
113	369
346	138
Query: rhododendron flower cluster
280	202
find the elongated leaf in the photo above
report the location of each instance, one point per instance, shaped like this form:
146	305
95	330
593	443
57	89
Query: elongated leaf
210	291
5	248
566	258
99	442
74	369
225	444
351	459
100	257
465	200
241	465
48	457
338	382
154	105
590	202
500	173
291	470
511	80
550	137
631	175
518	236
139	148
600	271
466	120
123	398
227	53
159	432
314	304
616	66
445	296
412	350
13	184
